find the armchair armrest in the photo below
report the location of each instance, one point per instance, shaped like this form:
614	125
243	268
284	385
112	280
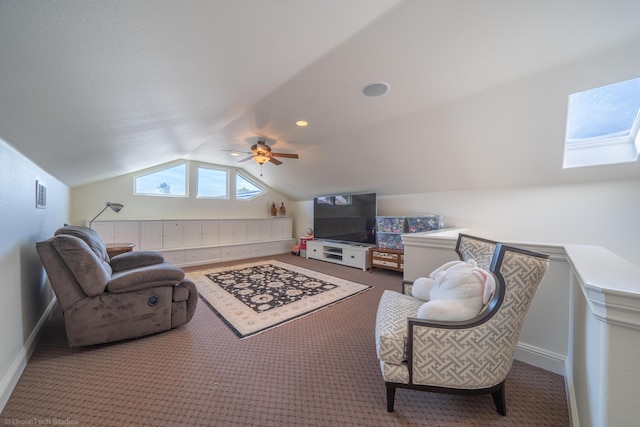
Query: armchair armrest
147	277
129	260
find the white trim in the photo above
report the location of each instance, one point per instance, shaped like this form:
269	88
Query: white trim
9	381
609	284
541	358
227	180
570	390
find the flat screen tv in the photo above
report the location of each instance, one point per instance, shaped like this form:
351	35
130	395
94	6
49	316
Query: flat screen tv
345	218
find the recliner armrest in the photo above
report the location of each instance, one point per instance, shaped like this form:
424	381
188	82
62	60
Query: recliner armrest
129	260
152	276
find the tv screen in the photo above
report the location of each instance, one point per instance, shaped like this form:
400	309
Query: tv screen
348	218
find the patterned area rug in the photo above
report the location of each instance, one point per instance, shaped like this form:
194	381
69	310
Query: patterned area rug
253	298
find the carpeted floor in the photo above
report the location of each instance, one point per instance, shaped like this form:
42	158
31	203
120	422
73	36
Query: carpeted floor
320	370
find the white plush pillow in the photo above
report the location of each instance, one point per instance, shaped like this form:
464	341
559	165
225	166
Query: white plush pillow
455	291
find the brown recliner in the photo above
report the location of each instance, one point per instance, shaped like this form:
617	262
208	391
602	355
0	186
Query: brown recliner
103	300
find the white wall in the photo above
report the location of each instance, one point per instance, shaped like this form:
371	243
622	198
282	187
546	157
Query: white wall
88	200
26	294
603	214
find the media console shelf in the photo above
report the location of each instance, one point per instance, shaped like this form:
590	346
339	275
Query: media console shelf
349	254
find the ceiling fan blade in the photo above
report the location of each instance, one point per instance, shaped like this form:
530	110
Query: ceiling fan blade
275	161
245	159
289	156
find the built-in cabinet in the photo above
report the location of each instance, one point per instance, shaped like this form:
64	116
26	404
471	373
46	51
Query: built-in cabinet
118	231
193	242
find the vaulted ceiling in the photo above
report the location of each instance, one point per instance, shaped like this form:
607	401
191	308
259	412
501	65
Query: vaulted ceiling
93	90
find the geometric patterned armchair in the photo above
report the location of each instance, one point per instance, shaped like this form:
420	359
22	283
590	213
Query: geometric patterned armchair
463	357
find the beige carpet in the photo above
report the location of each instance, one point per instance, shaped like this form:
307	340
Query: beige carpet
320	370
254	297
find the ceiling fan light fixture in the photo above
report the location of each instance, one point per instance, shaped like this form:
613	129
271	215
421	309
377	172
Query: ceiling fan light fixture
376	89
260	158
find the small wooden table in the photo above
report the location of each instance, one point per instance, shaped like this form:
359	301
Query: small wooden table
390	259
114	249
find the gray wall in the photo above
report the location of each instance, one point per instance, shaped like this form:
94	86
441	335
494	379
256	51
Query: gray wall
26	295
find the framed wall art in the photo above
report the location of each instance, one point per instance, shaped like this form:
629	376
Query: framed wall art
41	195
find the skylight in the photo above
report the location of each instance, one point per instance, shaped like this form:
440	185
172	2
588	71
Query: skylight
602	125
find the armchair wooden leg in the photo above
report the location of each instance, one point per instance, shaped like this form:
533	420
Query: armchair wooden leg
499	400
391	396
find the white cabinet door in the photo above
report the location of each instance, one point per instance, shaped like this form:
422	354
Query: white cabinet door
281	228
192	233
233	231
127	232
259	229
262	249
226	232
174	257
353	257
172	234
202	254
105	229
240	231
210	232
314	250
235	252
150	235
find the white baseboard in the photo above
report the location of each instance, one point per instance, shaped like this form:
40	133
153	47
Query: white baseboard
9	381
541	358
571	397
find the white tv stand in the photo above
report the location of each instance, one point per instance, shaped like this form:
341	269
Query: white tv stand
344	253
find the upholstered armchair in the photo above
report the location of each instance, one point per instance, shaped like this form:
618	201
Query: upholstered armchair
103	300
462	357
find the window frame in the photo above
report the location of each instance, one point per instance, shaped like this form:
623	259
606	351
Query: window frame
244	176
161	168
227	195
598	151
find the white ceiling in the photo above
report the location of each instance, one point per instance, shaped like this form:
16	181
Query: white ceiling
92	90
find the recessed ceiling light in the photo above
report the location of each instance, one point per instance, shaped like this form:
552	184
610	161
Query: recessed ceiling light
235	154
376	89
302	123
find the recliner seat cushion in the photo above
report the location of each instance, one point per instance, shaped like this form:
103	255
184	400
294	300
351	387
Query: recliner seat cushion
392	327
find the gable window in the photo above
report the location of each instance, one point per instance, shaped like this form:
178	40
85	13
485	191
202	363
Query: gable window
212	183
602	125
169	182
246	188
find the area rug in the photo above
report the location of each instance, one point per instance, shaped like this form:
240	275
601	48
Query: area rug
255	297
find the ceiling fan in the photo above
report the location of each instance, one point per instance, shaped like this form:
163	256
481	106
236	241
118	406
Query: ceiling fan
261	153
